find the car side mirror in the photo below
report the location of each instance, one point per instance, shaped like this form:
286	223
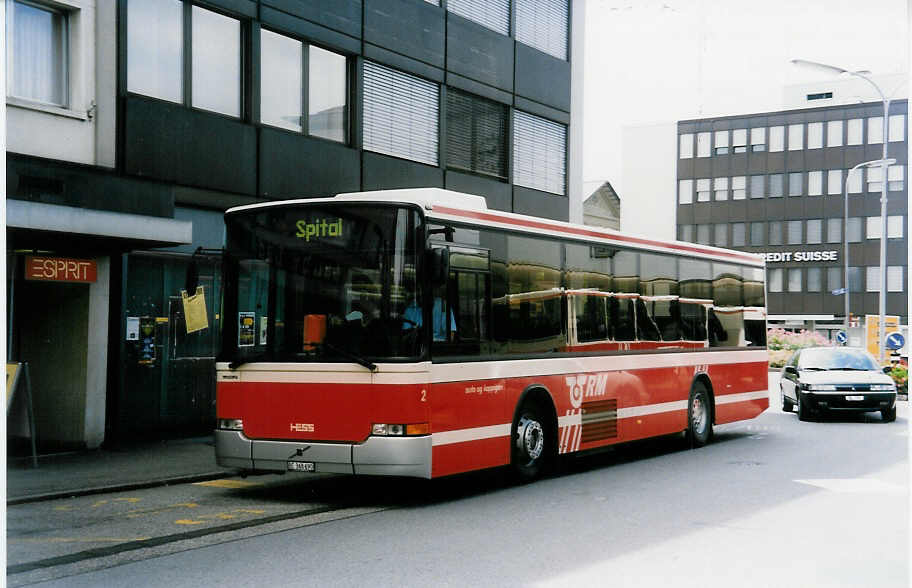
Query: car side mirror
791	370
887	369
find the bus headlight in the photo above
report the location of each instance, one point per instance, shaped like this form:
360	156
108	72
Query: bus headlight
399	430
882	387
231	424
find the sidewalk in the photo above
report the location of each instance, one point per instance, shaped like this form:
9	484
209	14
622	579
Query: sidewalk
140	465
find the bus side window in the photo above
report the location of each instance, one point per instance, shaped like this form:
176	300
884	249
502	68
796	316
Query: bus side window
647	330
591	322
621	317
717	334
693	322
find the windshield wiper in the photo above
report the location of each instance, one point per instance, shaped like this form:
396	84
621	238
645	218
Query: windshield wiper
352	356
847	369
815	369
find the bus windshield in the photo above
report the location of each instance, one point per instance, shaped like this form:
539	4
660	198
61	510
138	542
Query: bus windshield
323	282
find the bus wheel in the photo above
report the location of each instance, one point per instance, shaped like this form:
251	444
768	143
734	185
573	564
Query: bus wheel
699	416
529	450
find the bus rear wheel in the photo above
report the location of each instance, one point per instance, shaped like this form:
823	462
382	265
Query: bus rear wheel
699	416
529	453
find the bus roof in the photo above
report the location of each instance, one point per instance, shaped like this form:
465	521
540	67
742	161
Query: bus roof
447	205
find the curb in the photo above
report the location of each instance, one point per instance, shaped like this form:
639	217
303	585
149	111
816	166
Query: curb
74	493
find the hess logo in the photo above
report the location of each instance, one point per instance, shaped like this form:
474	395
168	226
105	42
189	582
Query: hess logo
302	427
585	385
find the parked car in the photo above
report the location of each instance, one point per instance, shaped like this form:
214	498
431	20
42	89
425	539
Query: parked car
838	379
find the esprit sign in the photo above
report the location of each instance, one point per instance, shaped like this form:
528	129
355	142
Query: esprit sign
805	256
60	269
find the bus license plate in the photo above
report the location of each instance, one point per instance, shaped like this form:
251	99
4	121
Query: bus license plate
301	466
854	397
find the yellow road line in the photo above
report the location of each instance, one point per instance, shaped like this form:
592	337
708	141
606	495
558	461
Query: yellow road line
227	483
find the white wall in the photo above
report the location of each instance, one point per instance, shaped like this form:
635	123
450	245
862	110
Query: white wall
648	179
845	89
577	71
83	132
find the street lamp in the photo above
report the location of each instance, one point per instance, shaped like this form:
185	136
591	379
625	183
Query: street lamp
845	227
863	74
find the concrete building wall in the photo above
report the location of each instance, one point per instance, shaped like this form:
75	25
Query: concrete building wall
648	180
83	129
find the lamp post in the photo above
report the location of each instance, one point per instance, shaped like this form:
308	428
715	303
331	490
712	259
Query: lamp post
882	307
845	227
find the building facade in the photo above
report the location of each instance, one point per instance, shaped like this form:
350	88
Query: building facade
774	183
136	123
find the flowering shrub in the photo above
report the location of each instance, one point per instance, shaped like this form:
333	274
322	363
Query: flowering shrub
900	375
781	344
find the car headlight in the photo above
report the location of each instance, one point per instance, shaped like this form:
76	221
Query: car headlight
820	387
883	387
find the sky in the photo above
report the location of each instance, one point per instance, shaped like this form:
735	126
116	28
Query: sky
657	61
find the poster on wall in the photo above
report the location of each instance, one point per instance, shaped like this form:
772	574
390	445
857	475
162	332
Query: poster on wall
246	329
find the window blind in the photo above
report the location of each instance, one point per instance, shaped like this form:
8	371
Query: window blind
539	153
476	134
400	114
494	14
543	24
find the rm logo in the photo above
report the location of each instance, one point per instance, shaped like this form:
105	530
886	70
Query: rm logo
302	427
585	385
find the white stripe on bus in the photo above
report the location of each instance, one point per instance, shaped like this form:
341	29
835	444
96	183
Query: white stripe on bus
488	370
474	434
570	425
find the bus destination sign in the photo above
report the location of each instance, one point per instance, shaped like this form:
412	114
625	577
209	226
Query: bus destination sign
318	229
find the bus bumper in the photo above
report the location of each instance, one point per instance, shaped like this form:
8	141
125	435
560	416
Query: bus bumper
377	456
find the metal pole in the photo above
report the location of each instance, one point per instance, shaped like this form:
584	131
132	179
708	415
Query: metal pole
845	235
845	247
883	235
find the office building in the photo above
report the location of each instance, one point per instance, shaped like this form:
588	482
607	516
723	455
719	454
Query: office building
133	124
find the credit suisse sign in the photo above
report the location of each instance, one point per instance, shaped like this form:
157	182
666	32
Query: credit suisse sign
60	269
802	256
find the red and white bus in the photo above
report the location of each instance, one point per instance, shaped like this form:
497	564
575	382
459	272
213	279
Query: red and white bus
418	333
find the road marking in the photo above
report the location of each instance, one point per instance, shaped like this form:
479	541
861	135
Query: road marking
223	516
855	486
138	513
81	540
226	483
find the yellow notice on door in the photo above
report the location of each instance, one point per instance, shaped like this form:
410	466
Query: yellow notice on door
12	376
195	315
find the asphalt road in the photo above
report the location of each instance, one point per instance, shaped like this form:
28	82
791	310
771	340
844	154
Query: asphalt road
771	502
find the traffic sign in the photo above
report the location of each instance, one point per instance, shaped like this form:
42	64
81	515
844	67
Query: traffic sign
895	341
841	337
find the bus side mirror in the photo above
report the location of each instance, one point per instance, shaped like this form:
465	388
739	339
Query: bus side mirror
439	264
191	279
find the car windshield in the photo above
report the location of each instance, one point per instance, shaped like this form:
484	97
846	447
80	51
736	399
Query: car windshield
836	359
322	282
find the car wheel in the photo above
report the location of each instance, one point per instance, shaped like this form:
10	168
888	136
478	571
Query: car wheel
699	416
787	404
888	415
530	451
804	413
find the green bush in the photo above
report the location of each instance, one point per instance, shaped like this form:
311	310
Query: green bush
781	344
900	375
